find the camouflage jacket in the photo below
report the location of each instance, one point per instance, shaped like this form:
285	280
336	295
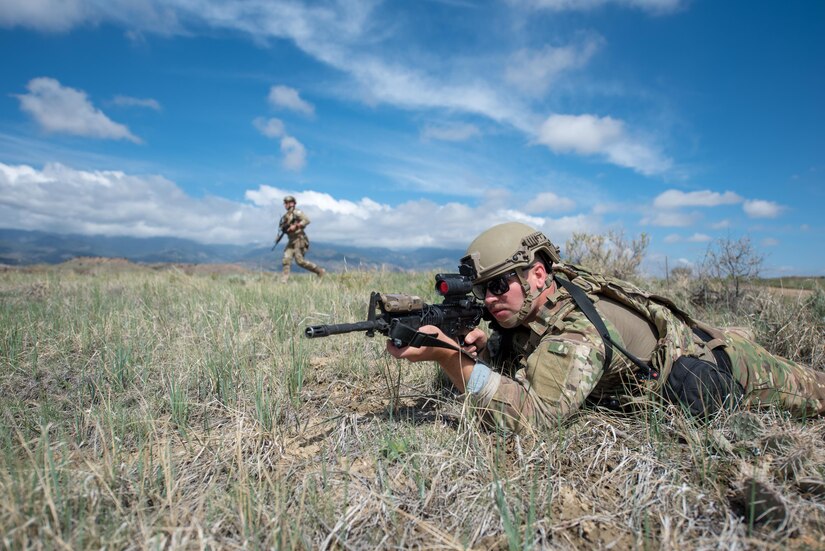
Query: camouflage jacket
552	365
292	217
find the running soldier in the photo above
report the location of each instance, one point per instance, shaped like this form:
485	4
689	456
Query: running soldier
292	224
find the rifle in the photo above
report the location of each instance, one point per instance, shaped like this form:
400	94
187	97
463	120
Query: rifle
398	316
283	224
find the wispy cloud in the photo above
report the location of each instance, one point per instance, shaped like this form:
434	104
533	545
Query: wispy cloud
535	71
347	37
601	136
651	6
672	199
44	15
154	16
127	101
65	110
450	132
284	97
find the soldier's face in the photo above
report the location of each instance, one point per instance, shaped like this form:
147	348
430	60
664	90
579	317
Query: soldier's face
504	305
288	205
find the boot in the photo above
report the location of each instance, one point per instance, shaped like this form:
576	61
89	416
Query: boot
285	274
321	272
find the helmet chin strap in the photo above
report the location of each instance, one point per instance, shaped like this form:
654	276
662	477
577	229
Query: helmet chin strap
527	305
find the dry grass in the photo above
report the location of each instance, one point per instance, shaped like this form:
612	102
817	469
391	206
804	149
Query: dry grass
147	409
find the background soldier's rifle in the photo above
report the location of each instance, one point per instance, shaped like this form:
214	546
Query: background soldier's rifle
399	316
283	224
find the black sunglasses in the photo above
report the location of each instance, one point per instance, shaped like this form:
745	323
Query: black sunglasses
497	286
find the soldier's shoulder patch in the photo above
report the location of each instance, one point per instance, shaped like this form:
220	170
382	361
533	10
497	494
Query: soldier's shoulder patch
557	347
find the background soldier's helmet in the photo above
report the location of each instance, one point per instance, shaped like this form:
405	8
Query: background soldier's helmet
503	248
289	199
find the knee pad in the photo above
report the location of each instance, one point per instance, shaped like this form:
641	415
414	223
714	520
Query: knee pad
701	387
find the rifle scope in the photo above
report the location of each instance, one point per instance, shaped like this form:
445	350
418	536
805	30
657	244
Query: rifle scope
452	285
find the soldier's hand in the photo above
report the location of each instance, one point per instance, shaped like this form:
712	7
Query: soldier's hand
475	341
423	353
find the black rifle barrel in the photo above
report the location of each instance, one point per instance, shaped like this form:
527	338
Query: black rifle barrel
314	331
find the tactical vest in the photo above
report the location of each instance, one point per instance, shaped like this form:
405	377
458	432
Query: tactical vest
674	333
289	218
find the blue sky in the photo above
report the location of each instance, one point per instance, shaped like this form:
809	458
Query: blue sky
420	123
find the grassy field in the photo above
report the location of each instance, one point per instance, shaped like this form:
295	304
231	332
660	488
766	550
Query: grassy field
179	409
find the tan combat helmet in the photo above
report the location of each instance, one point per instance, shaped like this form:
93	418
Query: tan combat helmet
289	199
508	248
503	248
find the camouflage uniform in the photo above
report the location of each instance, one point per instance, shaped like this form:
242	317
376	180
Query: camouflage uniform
555	363
769	379
297	243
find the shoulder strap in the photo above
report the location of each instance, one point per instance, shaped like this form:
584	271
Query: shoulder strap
586	306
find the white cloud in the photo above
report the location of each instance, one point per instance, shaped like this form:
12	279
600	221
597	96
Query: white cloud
758	208
267	196
289	98
457	132
770	242
535	71
672	199
369	223
294	153
271	128
61	109
62	199
127	101
603	136
549	202
584	134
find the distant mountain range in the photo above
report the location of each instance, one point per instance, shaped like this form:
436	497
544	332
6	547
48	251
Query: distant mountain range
19	247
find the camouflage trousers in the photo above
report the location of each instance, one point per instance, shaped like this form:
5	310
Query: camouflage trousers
295	249
772	380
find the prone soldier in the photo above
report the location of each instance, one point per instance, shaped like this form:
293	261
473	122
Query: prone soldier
565	336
